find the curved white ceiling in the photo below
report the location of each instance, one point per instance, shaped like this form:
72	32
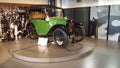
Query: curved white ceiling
88	3
68	3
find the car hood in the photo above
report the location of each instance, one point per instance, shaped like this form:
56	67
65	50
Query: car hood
58	20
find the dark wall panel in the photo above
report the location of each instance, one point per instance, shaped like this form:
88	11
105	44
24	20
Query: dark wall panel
69	13
80	15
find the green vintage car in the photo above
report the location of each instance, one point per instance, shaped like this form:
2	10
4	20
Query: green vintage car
46	20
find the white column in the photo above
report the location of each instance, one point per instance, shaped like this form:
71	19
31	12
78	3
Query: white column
58	3
59	11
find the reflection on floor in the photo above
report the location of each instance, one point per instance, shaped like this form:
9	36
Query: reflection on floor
105	55
51	53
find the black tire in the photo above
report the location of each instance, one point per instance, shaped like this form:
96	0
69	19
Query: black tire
33	36
31	31
79	34
60	38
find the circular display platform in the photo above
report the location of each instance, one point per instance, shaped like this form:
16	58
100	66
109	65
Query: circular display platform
30	51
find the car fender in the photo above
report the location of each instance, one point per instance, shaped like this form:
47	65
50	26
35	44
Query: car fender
55	27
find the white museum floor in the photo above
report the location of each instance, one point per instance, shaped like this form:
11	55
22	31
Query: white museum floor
105	54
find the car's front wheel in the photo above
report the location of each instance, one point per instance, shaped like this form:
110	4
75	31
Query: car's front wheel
60	38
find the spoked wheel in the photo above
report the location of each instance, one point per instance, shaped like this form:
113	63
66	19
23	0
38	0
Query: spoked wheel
60	38
79	34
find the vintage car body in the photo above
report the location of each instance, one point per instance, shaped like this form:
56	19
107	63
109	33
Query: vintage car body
44	22
43	27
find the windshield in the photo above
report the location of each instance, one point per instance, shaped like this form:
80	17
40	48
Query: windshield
41	11
54	12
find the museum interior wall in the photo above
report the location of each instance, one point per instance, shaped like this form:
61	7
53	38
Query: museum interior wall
99	10
98	29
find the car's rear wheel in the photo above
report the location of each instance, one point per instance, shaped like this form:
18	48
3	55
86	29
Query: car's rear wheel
32	34
60	38
79	34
